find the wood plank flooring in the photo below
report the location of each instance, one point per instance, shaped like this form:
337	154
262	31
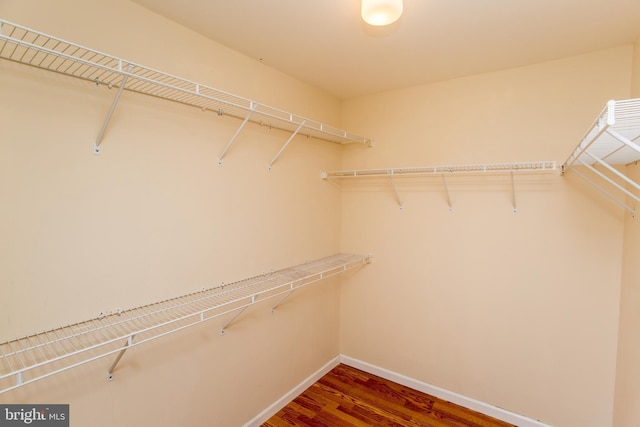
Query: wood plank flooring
348	397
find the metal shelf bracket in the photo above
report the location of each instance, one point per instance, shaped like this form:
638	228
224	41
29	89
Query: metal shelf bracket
235	135
618	174
513	194
614	184
287	143
625	141
123	83
446	191
273	309
230	321
395	190
128	344
604	191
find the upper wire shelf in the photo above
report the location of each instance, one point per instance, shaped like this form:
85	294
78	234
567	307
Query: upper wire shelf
612	139
34	357
30	47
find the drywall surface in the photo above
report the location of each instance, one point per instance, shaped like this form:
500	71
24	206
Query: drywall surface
635	76
627	411
515	310
154	216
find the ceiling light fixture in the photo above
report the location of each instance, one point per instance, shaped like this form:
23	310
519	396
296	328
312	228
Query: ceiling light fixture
381	12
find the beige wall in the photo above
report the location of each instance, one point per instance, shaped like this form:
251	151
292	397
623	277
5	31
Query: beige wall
627	411
635	75
519	311
627	396
154	217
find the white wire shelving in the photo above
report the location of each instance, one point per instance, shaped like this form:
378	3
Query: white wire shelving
612	139
38	356
443	172
30	47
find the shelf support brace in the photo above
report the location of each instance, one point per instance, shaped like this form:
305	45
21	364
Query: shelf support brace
235	135
446	191
230	321
513	194
614	171
611	181
128	344
279	303
287	143
624	140
96	147
584	144
605	192
395	190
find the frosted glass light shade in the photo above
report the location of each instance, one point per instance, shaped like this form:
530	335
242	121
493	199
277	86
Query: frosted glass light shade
381	12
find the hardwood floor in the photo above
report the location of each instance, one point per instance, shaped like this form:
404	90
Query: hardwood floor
348	397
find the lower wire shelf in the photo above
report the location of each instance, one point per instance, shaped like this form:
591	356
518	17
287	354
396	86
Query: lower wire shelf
38	356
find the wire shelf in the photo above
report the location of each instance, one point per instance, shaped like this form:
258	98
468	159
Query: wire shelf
34	357
30	47
549	166
612	139
443	172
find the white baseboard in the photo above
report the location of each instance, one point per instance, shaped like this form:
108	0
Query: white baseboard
273	409
476	405
467	402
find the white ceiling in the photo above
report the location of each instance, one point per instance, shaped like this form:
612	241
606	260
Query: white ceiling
325	43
